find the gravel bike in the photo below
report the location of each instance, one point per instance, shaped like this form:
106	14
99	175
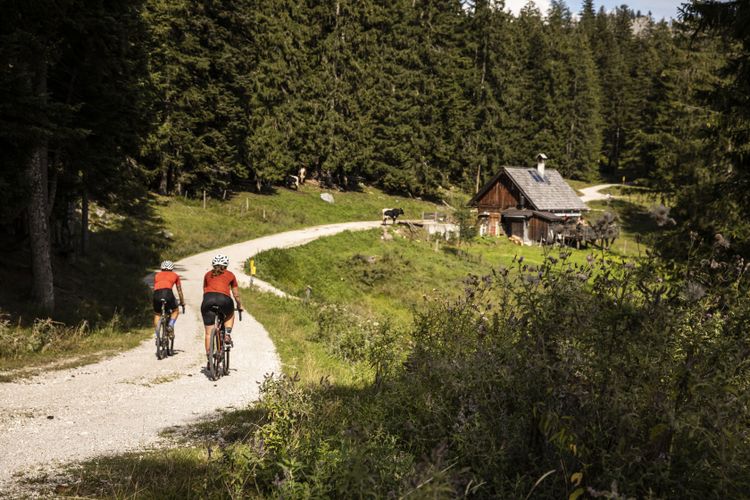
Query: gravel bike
218	360
165	338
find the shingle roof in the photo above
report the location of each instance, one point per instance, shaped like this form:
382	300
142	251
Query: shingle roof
549	193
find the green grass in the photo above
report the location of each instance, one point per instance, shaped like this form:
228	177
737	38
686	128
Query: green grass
168	474
380	280
291	324
388	277
631	206
249	215
27	351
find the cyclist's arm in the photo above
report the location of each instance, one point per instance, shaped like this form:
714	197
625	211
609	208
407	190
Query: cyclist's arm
179	292
236	293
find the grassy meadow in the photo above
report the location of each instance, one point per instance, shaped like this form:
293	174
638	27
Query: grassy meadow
249	215
379	277
631	206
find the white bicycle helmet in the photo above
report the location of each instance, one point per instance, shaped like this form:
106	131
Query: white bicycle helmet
220	260
167	265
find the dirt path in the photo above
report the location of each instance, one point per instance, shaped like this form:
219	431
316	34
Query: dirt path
123	403
593	193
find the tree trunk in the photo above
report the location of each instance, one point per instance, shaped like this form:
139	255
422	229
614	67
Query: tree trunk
84	221
164	181
52	185
43	291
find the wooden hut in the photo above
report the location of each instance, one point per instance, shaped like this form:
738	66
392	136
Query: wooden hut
527	203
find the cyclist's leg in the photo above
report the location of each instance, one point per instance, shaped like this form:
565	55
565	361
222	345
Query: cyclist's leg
209	318
228	309
209	328
157	310
173	310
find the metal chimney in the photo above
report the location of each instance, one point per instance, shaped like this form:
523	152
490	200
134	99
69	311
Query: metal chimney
540	158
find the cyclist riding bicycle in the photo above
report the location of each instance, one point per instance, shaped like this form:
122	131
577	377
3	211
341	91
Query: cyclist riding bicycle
217	284
163	283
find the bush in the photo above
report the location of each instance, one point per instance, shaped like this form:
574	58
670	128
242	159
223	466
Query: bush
561	380
614	372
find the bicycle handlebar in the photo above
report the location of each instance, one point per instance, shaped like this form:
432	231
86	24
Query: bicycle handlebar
240	313
183	308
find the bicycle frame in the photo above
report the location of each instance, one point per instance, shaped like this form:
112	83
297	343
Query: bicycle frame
218	364
162	343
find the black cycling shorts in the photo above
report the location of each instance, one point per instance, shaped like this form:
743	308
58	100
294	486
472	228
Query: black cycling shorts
225	303
166	294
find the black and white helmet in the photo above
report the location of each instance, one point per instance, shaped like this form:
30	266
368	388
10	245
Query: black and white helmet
167	265
220	260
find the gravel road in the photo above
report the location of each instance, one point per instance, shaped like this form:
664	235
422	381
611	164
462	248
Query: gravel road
123	403
593	193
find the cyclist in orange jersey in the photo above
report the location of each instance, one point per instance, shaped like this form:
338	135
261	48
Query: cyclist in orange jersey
164	281
217	285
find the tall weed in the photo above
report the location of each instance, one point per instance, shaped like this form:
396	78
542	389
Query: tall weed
42	336
355	339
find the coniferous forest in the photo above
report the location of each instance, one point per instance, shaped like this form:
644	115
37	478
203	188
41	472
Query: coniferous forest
615	376
101	101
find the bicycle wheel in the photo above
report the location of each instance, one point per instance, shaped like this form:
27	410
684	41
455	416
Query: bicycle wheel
161	333
214	354
220	353
226	361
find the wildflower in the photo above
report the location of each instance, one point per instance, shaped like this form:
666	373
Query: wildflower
693	291
660	214
720	241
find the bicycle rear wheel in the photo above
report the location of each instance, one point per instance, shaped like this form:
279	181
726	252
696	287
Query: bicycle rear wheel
226	361
214	355
160	339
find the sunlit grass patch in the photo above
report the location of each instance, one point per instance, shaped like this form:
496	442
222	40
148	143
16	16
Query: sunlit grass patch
291	325
248	215
162	474
47	345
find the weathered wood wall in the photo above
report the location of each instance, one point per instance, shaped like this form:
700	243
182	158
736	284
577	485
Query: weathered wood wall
499	197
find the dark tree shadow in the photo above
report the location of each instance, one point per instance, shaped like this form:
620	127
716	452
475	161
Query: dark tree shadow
108	279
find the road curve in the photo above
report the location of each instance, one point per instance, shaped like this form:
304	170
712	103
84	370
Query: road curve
593	193
123	403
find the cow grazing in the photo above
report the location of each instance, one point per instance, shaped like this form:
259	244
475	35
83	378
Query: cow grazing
391	213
